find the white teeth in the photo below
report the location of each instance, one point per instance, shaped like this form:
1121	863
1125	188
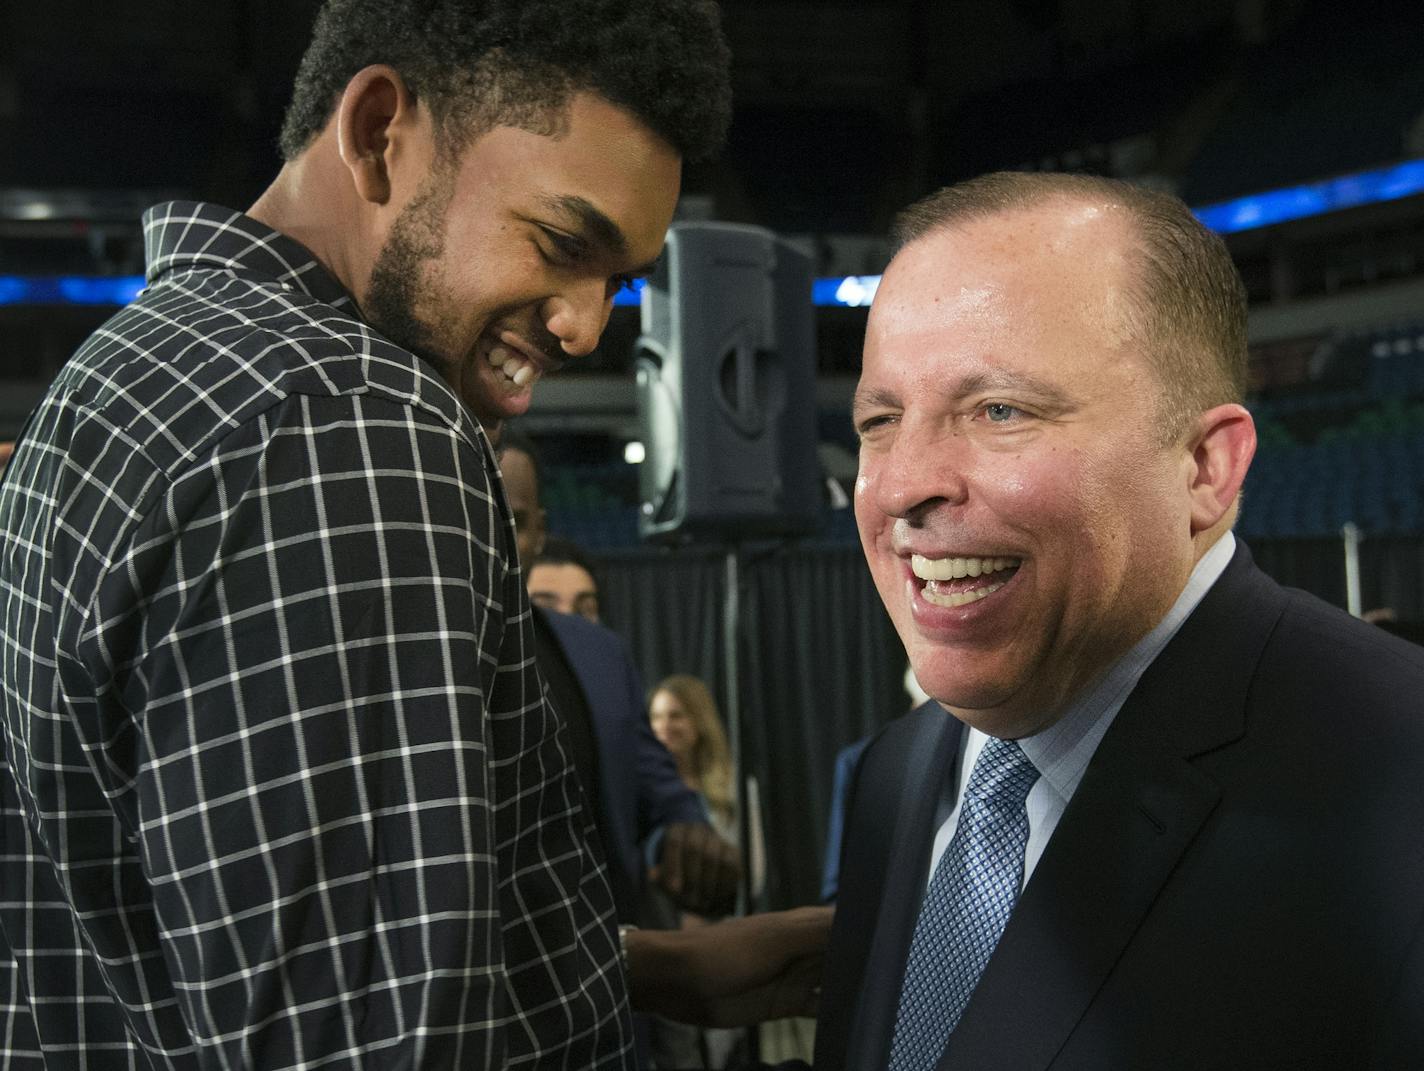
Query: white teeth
517	368
961	598
513	368
958	568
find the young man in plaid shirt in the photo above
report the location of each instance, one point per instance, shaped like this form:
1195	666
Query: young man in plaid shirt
281	785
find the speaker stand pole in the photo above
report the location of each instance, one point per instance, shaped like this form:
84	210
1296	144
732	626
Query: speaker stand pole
731	672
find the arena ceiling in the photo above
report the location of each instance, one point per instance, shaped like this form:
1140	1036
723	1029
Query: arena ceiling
845	109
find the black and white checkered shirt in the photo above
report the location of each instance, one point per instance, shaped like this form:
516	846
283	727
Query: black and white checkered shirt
280	786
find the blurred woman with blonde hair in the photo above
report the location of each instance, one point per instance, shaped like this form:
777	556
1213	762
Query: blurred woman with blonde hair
686	720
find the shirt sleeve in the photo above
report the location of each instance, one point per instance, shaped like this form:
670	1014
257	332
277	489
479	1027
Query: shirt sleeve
316	624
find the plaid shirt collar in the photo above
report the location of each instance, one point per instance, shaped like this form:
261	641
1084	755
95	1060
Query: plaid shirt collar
184	235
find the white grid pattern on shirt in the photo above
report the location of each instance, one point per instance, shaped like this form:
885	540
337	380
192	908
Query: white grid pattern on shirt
280	788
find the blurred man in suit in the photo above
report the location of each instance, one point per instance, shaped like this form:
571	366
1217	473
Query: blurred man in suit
562	578
1187	825
847	760
643	811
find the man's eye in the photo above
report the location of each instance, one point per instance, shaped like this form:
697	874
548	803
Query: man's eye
869	424
998	412
565	248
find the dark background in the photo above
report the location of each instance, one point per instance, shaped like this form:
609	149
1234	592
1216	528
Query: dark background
845	111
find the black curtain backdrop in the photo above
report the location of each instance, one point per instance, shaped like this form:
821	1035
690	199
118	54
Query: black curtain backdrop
1391	570
821	665
1314	565
1392	575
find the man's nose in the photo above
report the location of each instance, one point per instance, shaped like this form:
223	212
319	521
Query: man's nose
577	316
919	470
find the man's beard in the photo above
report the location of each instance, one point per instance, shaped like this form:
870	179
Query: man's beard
405	268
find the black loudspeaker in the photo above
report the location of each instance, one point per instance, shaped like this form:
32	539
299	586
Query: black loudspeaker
727	388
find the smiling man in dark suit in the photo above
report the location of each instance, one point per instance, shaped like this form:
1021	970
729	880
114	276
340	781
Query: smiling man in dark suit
1188	822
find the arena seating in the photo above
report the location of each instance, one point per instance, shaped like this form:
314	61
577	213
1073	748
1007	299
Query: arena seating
1346	445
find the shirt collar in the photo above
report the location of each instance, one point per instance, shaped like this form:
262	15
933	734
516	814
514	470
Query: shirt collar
182	235
1061	752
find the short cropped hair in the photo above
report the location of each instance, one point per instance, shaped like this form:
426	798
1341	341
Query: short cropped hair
478	64
1189	310
559	551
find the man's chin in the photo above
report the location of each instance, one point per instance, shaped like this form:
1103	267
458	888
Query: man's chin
988	703
999	715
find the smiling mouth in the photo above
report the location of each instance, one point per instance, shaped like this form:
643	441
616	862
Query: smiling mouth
952	582
517	362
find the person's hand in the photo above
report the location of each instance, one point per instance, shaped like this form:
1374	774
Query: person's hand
731	973
698	869
6	449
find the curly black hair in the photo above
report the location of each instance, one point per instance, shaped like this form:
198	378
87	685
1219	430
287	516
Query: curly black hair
482	63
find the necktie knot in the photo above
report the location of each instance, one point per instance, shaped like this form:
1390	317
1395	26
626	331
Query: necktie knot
1002	775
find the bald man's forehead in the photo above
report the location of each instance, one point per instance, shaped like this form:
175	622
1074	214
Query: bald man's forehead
521	480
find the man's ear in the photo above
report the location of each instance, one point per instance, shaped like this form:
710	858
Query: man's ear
1221	447
375	111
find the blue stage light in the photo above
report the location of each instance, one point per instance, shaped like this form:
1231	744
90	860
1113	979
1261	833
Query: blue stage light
1314	199
631	294
69	289
97	290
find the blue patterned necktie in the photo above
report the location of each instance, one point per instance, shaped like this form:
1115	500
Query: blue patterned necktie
967	905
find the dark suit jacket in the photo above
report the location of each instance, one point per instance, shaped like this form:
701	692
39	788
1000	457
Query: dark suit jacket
1238	882
847	759
638	785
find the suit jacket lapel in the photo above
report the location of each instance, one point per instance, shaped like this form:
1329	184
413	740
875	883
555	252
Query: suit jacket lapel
1138	808
893	809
